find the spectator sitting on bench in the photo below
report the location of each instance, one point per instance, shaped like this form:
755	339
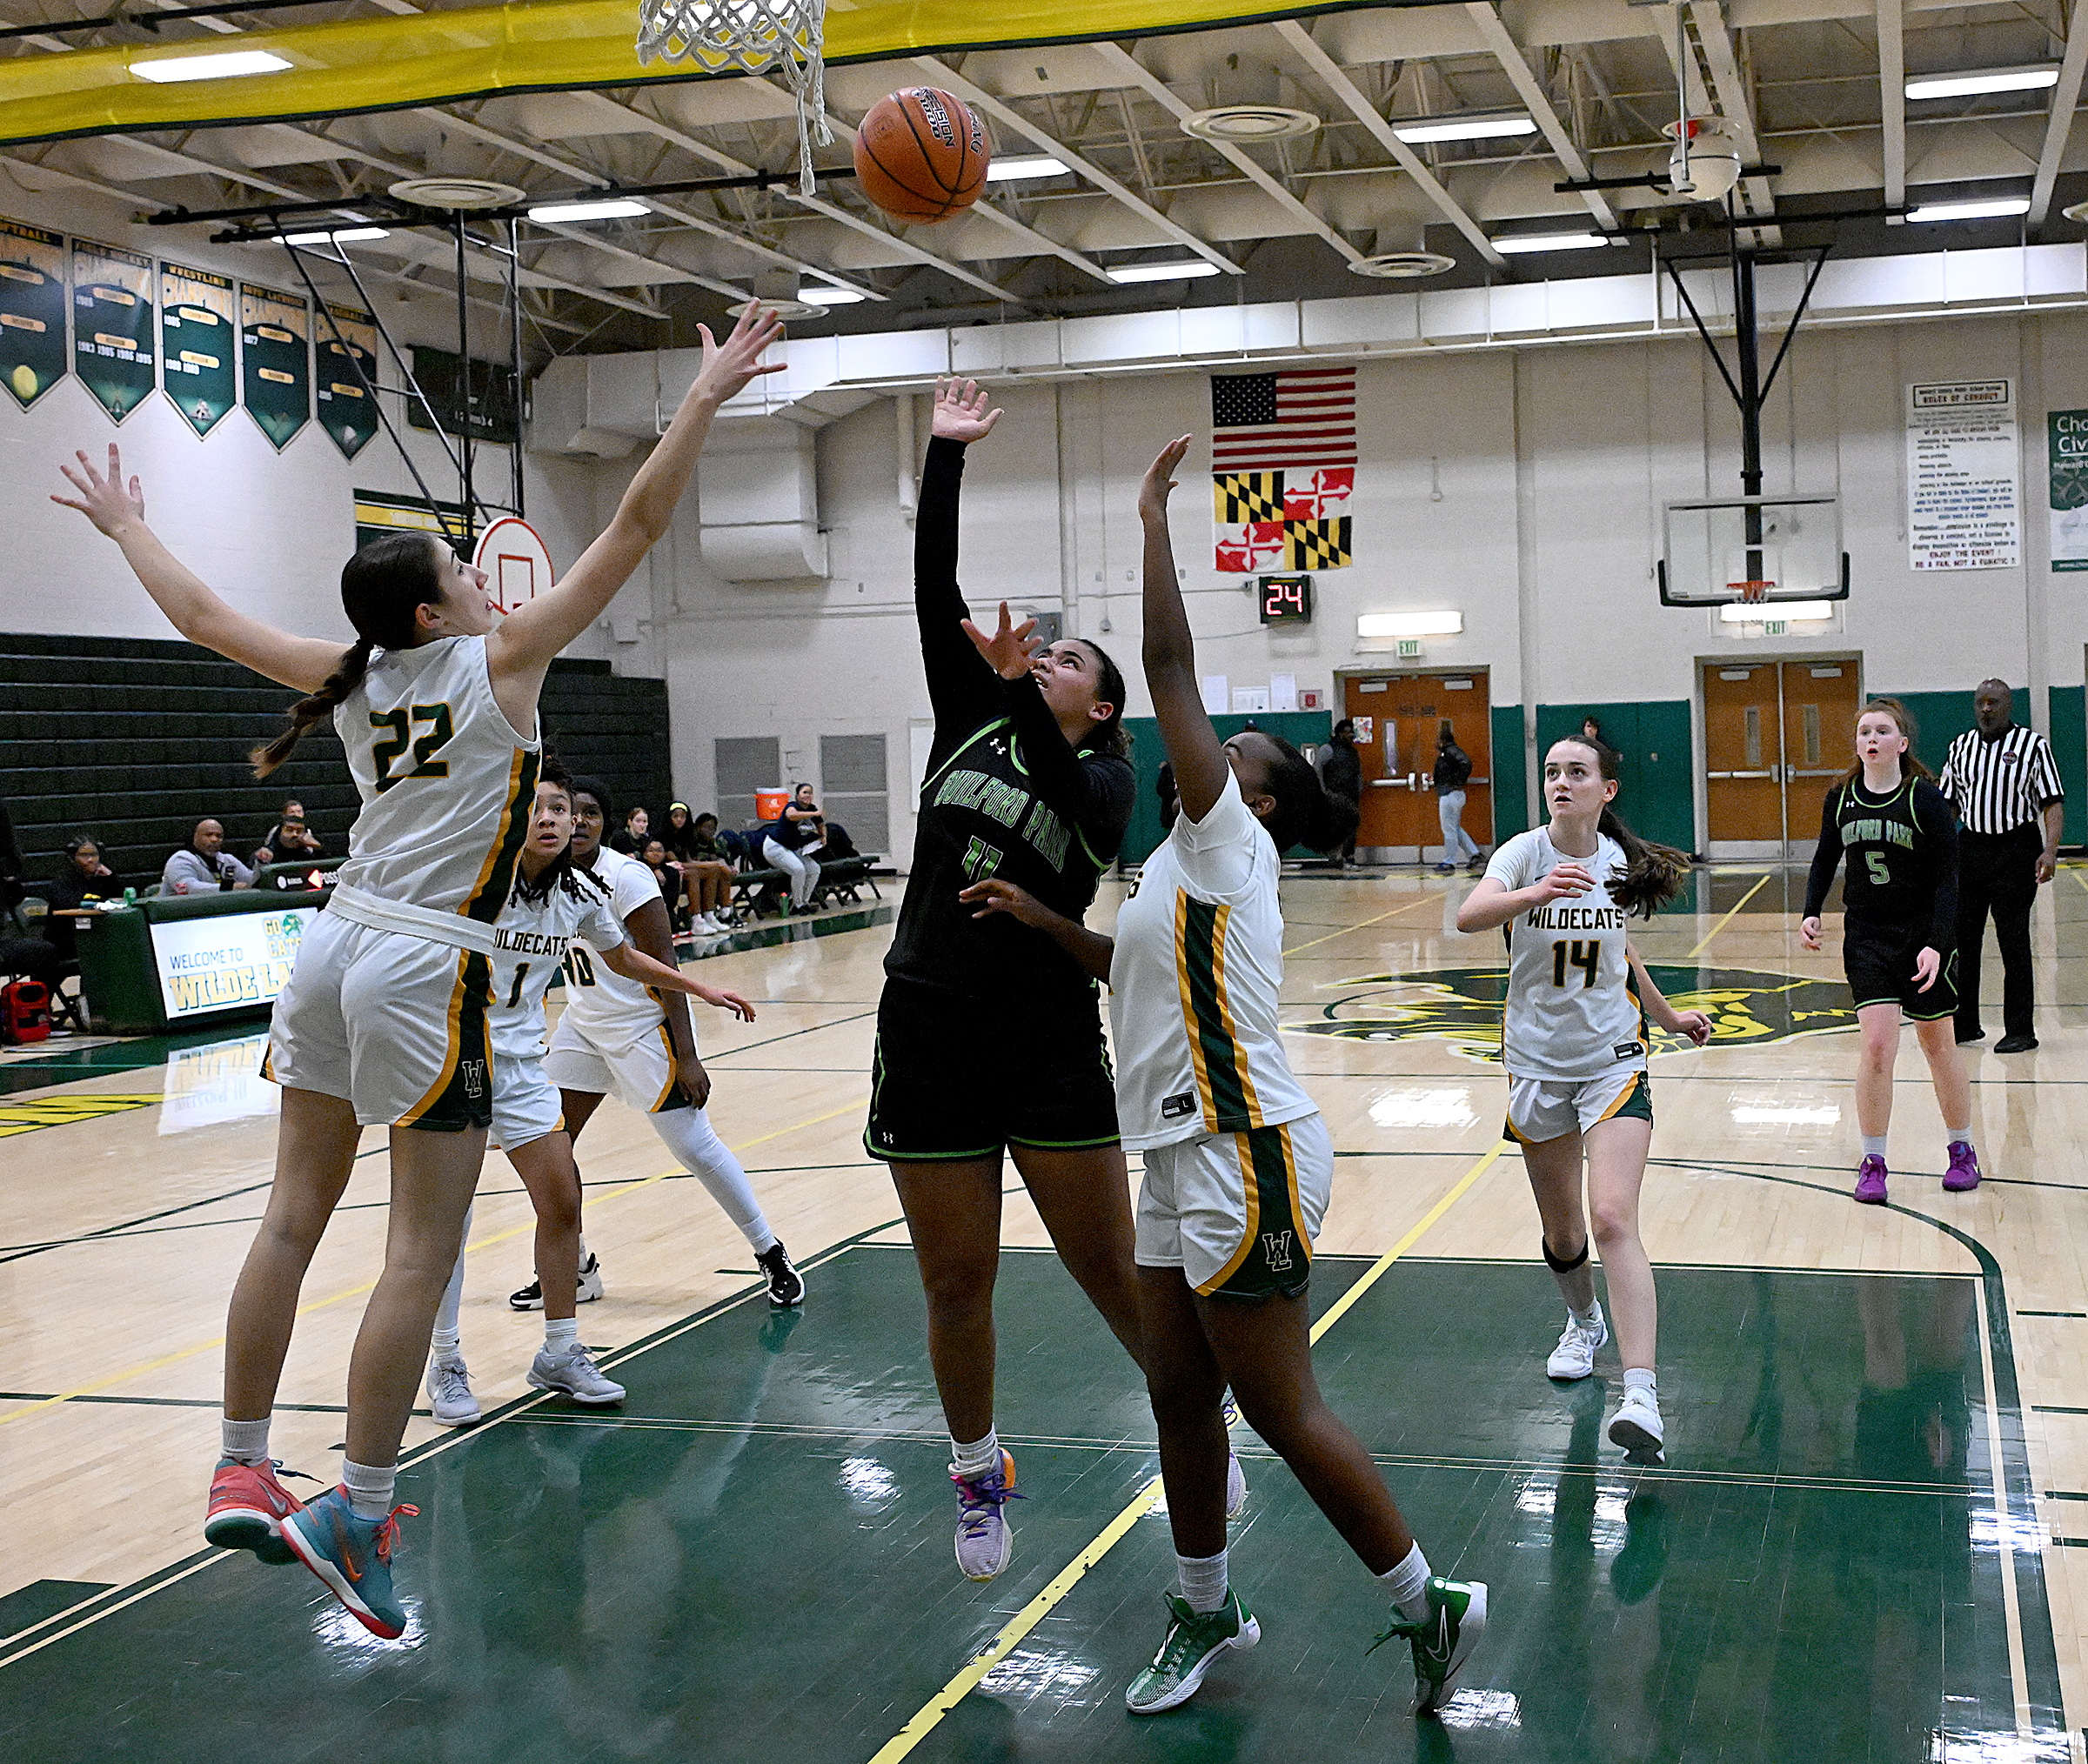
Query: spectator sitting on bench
654	855
632	841
84	877
203	866
19	954
708	870
291	840
788	843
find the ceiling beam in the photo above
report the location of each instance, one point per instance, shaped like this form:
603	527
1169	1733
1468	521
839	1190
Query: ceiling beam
1731	100
1893	96
2066	99
1505	49
1005	114
1349	93
1163	95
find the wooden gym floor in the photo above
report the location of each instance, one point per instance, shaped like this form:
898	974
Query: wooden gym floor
1868	1542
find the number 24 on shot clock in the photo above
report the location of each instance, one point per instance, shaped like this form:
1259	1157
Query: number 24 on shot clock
1286	599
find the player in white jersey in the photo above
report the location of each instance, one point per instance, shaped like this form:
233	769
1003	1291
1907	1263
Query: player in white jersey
552	909
384	1021
1239	1165
1574	1042
616	1034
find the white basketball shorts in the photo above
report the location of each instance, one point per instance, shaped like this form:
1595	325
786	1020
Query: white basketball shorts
1237	1212
640	1070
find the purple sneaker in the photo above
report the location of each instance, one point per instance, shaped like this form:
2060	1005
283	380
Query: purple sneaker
1963	1173
1871	1181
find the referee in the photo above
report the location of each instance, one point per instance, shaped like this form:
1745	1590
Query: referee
2003	782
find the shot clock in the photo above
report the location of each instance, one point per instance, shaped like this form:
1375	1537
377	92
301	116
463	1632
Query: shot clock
1286	599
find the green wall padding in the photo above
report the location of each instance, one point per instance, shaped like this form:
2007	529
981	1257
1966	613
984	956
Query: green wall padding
2069	715
1656	795
1511	774
1299	728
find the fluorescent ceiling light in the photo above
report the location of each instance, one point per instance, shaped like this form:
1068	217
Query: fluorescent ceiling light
1181	271
1029	165
232	64
1761	611
1410	624
1967	85
1464	127
820	295
343	237
610	208
1511	243
1987	209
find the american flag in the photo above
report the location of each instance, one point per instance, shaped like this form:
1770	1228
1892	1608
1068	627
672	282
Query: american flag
1300	418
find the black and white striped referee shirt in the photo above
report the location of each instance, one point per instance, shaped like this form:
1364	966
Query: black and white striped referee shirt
1999	784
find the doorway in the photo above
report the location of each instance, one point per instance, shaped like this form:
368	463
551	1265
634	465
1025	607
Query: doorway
1776	734
1397	717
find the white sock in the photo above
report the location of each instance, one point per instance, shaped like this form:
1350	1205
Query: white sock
447	1313
1640	1377
559	1333
689	1135
1202	1579
980	1458
1587	1318
1874	1144
246	1442
369	1488
583	1253
1408	1585
1959	1136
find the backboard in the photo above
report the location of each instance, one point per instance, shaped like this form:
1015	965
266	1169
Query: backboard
1752	548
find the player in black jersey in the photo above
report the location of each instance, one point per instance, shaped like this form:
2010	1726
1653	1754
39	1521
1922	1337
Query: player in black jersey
1898	932
1027	780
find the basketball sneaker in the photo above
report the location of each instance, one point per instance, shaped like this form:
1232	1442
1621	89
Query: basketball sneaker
786	1284
1963	1173
450	1396
1195	1640
1442	1640
1574	1358
985	1541
1636	1426
352	1556
248	1506
531	1298
573	1373
1871	1181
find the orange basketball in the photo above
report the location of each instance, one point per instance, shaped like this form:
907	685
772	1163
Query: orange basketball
922	155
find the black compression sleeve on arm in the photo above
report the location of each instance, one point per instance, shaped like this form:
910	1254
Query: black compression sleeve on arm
961	686
1939	824
1825	857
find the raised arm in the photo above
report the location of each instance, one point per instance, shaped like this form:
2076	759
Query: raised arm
634	965
960	686
1169	651
117	510
522	647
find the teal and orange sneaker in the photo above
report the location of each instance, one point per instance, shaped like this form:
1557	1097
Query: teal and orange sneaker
248	1506
353	1557
1442	1640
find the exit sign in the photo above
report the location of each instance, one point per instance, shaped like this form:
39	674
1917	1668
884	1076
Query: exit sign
1410	649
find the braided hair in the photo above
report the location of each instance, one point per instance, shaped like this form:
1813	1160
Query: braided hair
561	872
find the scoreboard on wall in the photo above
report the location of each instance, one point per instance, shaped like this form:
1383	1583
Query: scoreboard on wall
1285	599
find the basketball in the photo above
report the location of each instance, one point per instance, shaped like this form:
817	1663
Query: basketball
922	155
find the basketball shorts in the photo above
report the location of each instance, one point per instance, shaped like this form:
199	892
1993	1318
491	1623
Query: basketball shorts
1237	1212
639	1069
1879	962
394	1024
955	1077
1542	1108
526	1104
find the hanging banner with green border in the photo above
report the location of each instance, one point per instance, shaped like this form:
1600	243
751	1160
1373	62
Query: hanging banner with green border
113	340
275	361
2067	436
347	412
198	345
379	513
32	310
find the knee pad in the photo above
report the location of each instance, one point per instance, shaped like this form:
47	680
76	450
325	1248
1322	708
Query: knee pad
1565	1267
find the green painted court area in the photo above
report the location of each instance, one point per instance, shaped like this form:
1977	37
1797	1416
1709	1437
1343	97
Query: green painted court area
754	1561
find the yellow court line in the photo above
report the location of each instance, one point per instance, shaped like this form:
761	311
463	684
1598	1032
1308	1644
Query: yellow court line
1760	882
931	1714
190	1352
1424	901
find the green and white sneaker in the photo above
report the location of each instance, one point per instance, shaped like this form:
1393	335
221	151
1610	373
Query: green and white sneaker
1442	1640
1195	1640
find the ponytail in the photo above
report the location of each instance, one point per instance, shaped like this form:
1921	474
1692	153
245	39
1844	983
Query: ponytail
1653	874
354	664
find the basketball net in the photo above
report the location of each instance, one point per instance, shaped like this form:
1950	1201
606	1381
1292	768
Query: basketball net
755	36
1750	593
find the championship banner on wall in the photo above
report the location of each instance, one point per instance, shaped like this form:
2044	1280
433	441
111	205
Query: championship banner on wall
32	310
347	412
2066	438
1282	469
197	345
379	513
113	340
275	362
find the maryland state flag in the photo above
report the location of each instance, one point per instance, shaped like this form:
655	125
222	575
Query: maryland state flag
1282	469
1275	520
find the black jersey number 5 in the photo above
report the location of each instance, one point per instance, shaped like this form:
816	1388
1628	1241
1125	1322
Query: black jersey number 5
1874	863
1586	954
386	749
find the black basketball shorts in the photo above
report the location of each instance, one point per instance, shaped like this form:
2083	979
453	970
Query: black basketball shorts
1879	962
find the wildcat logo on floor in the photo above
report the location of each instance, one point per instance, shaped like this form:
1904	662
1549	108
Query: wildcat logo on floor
1462	1007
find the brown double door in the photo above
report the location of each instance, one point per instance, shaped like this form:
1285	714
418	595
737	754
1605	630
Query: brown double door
1776	734
1403	713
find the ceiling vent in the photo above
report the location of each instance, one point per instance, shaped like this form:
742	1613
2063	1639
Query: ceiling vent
1243	124
1406	257
457	194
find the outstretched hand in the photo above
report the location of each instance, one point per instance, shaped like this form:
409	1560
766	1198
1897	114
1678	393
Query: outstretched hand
104	500
994	896
728	366
960	411
1160	478
725	1001
1009	649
